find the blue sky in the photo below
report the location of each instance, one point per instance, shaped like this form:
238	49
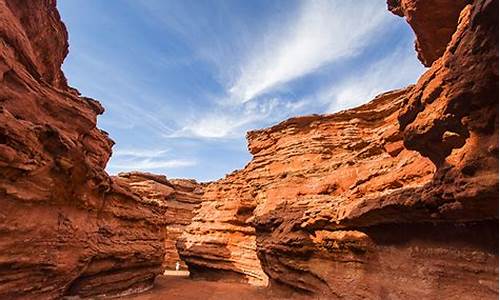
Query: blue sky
183	81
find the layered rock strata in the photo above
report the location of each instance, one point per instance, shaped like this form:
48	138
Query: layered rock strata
181	198
395	199
451	117
433	21
66	227
220	243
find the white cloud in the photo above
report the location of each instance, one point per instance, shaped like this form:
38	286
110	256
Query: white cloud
213	126
312	35
394	71
151	164
233	122
324	31
130	159
140	153
228	71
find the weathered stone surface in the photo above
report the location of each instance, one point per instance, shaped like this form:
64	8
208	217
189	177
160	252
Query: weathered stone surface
181	197
451	116
219	244
395	199
305	172
66	228
433	21
328	178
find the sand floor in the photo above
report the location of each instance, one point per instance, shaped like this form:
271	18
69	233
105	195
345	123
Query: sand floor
184	288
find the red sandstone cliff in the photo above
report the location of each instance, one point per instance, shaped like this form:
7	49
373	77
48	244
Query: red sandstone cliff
433	21
313	163
181	198
66	228
397	198
220	243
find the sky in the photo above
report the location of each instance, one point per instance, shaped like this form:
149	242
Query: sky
183	81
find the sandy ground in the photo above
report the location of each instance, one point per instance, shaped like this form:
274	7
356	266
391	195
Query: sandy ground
183	288
181	273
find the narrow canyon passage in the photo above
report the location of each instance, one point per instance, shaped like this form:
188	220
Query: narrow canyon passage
393	199
172	287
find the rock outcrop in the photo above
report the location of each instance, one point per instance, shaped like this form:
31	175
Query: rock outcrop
309	163
433	21
395	199
66	228
451	117
181	198
220	243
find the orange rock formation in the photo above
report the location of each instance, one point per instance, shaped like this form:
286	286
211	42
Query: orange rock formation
433	21
181	198
397	198
66	228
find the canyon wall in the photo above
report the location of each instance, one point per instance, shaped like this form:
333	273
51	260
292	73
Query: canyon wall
66	227
395	199
433	21
220	242
181	198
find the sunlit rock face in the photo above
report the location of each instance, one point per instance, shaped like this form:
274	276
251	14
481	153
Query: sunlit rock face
220	242
364	226
451	117
307	171
395	199
66	227
181	197
309	176
433	21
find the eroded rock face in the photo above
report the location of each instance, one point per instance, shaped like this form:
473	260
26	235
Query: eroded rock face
306	172
66	228
397	198
220	242
451	116
433	21
181	197
357	223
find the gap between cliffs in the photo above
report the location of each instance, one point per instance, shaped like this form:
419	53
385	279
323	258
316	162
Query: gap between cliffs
396	198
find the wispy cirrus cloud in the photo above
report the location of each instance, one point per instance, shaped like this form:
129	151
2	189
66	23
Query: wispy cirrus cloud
151	164
183	81
394	71
317	34
146	153
128	159
234	122
324	31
